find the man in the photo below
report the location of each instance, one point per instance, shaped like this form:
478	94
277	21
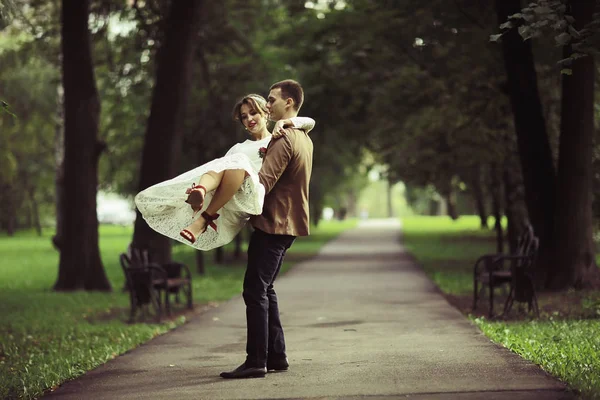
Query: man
285	174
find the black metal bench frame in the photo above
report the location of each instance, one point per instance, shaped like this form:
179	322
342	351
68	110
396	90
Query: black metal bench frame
491	271
148	283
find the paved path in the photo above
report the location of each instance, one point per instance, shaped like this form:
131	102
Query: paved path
361	321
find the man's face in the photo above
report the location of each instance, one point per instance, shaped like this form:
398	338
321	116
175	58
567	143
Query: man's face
276	105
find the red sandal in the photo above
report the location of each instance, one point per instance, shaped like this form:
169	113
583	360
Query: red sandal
195	197
189	236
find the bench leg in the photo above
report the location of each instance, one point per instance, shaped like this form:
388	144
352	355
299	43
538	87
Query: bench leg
509	301
188	294
167	302
156	303
133	306
533	305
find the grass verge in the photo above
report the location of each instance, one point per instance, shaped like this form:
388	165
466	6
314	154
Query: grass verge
564	341
47	337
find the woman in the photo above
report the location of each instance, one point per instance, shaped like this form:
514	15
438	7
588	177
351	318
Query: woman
228	185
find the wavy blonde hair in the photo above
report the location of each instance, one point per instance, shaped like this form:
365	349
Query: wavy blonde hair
254	101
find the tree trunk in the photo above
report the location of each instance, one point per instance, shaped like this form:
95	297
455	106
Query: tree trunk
315	196
352	203
80	265
35	213
29	212
450	198
434	207
162	144
390	208
200	263
451	202
532	140
495	190
59	155
574	264
10	211
513	217
479	197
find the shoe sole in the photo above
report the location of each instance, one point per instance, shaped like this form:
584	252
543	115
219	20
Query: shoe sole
195	199
244	377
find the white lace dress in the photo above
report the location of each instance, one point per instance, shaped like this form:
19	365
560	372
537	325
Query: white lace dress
164	208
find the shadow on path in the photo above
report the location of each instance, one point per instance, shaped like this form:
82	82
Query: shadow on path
362	321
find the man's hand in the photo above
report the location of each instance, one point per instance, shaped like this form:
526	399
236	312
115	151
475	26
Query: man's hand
280	126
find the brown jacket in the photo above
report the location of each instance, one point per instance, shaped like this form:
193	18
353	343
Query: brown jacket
285	174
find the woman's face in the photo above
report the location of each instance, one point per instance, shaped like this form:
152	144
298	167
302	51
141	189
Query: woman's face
253	121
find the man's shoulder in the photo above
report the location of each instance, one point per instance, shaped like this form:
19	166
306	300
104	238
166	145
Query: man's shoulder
295	134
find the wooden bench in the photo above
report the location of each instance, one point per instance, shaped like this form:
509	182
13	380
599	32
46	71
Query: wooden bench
516	270
149	283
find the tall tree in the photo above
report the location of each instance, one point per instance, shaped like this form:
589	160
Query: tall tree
162	143
574	256
80	264
533	144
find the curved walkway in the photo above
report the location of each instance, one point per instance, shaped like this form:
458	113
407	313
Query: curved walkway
361	321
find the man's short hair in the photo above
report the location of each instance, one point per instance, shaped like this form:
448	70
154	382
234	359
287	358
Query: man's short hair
291	88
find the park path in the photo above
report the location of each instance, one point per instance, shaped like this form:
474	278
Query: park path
361	321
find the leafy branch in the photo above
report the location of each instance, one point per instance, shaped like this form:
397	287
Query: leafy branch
542	15
7	11
6	108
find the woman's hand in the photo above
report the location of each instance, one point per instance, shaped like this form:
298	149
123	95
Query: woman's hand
280	126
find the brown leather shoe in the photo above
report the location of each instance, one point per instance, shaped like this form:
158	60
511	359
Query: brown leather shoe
242	372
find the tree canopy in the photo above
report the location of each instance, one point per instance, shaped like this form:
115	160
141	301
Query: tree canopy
418	87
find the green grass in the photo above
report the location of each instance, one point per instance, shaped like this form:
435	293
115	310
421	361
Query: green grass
47	338
447	249
567	348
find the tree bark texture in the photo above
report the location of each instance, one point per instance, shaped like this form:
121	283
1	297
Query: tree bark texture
448	194
80	266
574	263
532	139
59	155
35	212
7	202
512	205
496	192
162	144
479	197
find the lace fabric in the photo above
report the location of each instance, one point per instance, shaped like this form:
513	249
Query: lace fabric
164	208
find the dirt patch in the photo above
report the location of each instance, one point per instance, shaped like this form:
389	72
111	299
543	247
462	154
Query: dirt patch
581	304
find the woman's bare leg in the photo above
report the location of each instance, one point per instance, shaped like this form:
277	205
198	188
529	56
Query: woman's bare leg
230	182
211	180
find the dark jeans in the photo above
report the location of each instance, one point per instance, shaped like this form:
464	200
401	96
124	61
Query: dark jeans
265	333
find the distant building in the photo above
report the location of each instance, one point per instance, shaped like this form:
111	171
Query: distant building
114	209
